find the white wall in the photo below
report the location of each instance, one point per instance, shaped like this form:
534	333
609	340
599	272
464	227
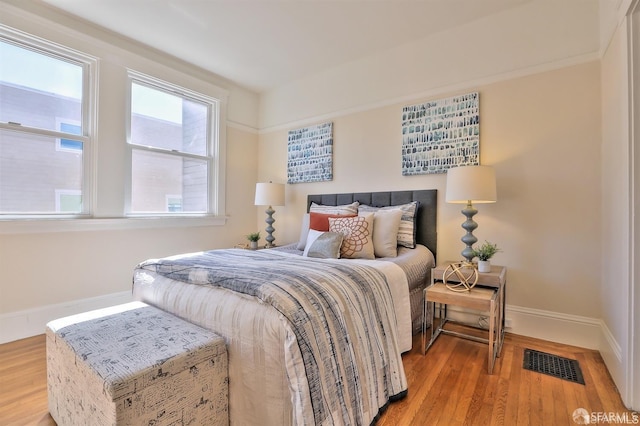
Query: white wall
542	134
632	397
558	138
620	160
540	128
616	199
54	269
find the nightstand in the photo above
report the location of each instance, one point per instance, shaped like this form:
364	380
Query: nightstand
488	295
246	247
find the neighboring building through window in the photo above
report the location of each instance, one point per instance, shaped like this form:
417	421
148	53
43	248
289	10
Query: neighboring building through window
69	145
39	151
68	201
174	203
172	132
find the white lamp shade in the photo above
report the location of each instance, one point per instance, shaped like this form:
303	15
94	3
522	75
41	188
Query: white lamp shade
269	194
471	183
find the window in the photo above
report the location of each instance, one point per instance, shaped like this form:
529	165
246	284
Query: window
39	152
172	132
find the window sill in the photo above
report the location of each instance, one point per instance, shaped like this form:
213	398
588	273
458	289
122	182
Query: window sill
34	226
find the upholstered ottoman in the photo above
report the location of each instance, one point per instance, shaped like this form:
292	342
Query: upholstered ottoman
134	364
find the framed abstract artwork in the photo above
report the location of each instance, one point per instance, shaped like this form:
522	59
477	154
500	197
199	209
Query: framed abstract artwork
441	134
310	154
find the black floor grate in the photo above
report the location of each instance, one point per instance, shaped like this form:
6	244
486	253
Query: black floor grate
553	365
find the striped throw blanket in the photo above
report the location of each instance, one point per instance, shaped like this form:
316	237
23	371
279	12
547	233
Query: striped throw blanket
341	313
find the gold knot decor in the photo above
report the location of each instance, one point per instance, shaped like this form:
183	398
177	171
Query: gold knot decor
465	276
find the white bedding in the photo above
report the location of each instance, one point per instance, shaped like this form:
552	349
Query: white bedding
262	346
400	293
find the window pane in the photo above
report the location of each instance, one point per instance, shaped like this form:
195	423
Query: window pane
69	201
37	89
70	144
32	170
163	183
174	204
163	120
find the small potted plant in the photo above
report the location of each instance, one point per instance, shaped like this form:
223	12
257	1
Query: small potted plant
253	240
484	253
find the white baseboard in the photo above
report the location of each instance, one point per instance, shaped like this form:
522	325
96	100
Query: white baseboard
572	330
612	354
31	322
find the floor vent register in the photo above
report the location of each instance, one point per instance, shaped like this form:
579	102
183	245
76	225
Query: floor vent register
553	365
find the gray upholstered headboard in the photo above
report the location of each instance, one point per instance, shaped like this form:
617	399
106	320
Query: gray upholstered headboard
426	233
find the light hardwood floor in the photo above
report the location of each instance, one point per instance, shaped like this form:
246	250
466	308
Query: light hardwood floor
448	386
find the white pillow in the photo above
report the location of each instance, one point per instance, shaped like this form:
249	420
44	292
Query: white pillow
385	232
407	231
345	209
304	231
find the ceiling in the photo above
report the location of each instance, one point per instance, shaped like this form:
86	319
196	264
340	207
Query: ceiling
261	44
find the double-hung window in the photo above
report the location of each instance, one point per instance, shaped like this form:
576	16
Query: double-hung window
45	128
173	134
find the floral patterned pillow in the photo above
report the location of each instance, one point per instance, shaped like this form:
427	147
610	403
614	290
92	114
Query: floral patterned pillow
358	236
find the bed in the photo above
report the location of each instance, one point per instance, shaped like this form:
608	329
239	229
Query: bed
310	341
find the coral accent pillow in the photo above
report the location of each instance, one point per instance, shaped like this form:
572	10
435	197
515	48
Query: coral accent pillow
358	235
320	221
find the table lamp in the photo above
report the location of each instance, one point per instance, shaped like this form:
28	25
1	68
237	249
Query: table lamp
269	194
468	185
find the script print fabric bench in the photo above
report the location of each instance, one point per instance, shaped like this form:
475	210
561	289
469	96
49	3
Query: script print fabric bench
135	364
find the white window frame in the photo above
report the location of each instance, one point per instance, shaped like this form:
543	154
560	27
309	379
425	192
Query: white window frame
89	65
213	156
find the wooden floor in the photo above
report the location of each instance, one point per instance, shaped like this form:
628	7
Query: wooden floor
448	386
